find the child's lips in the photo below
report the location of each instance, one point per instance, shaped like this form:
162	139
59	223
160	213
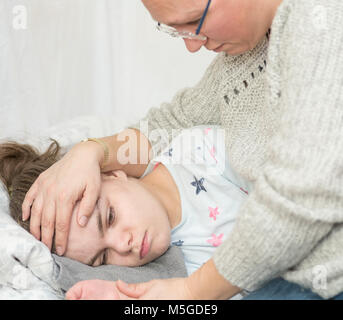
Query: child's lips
145	247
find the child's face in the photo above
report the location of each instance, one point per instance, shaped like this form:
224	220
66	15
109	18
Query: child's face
125	214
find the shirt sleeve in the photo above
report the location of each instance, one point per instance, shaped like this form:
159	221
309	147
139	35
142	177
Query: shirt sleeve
298	196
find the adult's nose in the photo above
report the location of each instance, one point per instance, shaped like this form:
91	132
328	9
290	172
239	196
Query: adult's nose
212	44
194	45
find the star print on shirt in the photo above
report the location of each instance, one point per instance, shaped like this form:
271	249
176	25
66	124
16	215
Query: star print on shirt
169	152
206	131
244	191
216	240
213	212
156	165
213	153
198	184
178	243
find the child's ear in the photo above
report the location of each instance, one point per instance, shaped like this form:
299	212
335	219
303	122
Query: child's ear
117	174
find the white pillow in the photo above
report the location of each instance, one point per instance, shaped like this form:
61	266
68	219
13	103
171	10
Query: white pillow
27	268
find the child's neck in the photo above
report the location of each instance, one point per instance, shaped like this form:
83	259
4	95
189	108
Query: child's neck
161	183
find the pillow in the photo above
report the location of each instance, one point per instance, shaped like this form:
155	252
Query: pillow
170	265
27	268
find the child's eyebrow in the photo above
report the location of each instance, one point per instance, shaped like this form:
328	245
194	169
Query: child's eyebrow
101	232
99	223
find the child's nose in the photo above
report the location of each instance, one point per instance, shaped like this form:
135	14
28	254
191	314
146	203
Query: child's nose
123	243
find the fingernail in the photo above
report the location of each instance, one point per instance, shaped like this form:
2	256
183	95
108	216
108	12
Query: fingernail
59	251
82	221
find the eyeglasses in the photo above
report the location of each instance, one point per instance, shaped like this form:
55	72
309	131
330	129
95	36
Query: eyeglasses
185	34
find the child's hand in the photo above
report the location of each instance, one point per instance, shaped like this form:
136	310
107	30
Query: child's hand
95	290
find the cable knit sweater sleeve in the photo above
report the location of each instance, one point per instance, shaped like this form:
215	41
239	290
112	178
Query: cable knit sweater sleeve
298	196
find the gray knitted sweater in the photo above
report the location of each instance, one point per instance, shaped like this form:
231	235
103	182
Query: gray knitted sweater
282	107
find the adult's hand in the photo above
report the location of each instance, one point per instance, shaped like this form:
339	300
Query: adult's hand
166	289
203	284
51	199
160	289
95	290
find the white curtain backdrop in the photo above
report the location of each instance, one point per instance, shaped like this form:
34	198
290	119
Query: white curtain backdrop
60	59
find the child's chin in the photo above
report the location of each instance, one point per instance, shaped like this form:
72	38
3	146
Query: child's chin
150	259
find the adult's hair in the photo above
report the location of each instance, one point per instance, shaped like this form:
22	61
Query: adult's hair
20	166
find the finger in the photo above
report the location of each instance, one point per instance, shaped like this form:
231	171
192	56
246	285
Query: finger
74	293
36	214
93	290
133	290
28	201
122	296
87	205
63	217
48	224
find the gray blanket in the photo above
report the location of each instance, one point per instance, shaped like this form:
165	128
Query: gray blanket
170	265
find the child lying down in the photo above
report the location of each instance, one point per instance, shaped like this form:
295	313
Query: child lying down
187	197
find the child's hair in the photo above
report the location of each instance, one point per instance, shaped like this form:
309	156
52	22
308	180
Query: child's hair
20	166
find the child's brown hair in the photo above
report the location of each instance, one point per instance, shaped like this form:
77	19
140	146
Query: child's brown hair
20	166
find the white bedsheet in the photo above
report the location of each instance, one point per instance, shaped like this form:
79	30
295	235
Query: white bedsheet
27	267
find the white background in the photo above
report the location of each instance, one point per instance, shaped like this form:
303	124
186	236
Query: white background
87	57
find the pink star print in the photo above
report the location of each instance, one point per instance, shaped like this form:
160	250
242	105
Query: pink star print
156	165
207	130
244	191
216	240
213	212
213	152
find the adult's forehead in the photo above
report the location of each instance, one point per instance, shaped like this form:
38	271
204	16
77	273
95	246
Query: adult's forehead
173	12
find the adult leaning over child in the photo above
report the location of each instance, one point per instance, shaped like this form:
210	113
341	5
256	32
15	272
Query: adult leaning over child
277	88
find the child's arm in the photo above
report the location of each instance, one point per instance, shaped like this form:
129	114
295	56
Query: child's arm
208	284
129	151
95	290
204	284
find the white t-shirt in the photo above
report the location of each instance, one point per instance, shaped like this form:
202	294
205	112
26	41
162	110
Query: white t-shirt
211	192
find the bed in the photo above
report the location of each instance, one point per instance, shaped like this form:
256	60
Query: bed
27	268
